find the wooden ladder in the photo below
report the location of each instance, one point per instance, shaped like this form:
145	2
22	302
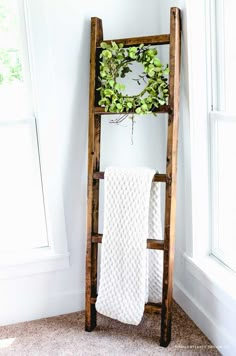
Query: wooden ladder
94	174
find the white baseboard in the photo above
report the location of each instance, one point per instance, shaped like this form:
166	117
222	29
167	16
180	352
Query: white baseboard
225	343
41	307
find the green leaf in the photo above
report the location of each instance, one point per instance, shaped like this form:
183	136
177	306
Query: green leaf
132	55
152	52
114	45
120	56
108	92
103	74
151	73
119	106
138	110
157	62
166	71
106	53
149	99
103	45
102	102
111	82
119	86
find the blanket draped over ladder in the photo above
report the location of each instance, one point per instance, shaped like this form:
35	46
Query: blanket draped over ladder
129	278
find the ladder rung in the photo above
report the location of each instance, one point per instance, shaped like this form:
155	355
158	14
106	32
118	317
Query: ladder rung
149	307
157	177
152	244
152	40
153	307
101	111
93	300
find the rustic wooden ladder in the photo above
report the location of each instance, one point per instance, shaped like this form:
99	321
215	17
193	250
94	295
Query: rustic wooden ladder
94	174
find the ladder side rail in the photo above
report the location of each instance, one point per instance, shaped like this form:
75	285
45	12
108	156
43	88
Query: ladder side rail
93	186
171	171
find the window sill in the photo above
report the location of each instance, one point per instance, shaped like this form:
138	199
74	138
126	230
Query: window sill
36	261
216	277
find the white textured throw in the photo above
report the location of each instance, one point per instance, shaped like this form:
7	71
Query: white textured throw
130	217
155	257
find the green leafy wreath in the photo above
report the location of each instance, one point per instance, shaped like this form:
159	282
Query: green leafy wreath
115	62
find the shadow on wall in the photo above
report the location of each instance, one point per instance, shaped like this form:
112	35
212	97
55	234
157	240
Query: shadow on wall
75	171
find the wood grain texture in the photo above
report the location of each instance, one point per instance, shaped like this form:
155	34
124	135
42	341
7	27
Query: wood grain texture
151	243
157	178
93	186
149	307
153	308
162	109
171	171
152	40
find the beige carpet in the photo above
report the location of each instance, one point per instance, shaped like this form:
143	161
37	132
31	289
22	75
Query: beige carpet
65	336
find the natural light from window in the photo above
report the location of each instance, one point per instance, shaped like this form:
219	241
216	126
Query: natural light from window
223	132
228	48
23	223
13	88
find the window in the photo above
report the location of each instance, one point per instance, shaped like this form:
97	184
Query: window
223	132
14	66
22	211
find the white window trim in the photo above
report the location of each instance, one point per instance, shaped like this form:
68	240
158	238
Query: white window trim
56	256
198	111
216	277
215	118
198	260
32	262
216	30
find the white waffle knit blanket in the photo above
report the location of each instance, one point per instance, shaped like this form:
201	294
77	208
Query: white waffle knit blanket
130	217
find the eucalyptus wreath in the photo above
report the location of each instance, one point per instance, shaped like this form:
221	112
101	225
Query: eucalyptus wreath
115	62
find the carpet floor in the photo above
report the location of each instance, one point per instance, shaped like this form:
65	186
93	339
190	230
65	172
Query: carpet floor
65	336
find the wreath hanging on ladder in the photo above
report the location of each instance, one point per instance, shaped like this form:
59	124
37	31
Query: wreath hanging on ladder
115	63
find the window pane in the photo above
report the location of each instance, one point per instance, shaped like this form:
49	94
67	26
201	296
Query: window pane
23	224
230	54
225	29
224	189
13	91
21	206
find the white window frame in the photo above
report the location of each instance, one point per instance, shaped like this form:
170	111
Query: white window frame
216	29
216	115
199	260
199	106
56	255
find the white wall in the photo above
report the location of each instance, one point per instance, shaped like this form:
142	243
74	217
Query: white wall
64	103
